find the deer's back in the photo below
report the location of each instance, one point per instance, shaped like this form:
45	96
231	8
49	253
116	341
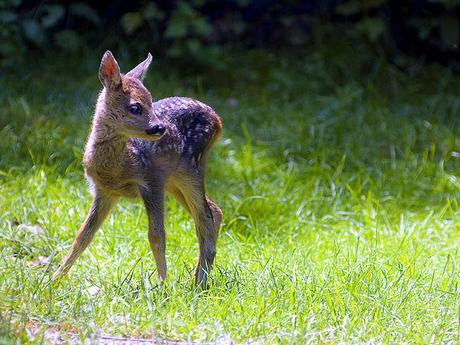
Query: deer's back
192	128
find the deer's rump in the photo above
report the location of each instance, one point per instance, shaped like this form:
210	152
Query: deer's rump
195	124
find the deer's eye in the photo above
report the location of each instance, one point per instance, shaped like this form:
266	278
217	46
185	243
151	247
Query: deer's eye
135	109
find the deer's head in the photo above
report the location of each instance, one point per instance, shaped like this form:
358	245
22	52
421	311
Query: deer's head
127	103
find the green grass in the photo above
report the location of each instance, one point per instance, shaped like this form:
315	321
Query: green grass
339	191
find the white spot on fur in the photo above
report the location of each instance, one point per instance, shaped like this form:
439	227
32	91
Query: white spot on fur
91	186
143	184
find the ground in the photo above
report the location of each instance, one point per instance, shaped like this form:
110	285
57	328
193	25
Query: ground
337	178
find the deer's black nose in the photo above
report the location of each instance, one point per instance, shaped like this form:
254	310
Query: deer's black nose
156	130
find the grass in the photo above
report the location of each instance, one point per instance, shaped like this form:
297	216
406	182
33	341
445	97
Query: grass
338	185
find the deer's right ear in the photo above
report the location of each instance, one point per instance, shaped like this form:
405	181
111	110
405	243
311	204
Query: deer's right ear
140	70
109	72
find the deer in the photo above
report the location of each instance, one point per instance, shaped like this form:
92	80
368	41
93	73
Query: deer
138	148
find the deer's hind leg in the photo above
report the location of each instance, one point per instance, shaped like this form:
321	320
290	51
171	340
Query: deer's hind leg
188	189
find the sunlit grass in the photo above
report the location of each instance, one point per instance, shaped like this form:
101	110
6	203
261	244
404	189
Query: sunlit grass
340	202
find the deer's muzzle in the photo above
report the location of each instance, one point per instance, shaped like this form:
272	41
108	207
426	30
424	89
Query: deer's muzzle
157	130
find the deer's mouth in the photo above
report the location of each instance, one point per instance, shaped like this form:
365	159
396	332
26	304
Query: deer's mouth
142	134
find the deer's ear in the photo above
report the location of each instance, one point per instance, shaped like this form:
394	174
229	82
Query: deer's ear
109	72
140	70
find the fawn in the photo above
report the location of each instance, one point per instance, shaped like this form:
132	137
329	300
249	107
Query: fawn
141	148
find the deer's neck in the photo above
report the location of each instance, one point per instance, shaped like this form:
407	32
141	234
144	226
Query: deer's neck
105	147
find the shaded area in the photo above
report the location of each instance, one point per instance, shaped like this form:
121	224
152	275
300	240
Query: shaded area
198	30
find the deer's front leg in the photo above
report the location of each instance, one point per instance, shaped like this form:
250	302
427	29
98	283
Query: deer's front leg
153	197
99	210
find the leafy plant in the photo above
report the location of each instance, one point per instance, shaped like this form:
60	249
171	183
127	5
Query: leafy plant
197	30
51	25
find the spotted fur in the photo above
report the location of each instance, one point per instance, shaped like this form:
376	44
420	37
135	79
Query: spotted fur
193	127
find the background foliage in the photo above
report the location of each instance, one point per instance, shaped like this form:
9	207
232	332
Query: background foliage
199	28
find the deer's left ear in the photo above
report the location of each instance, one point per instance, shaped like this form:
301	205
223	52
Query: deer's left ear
140	70
109	72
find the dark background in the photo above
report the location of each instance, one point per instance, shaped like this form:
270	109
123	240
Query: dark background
202	32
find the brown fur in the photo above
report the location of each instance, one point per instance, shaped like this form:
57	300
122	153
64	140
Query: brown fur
128	155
